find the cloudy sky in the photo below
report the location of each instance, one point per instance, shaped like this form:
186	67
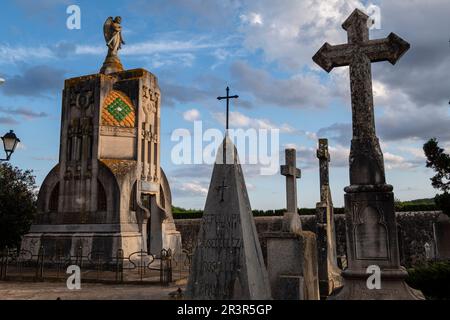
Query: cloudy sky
262	49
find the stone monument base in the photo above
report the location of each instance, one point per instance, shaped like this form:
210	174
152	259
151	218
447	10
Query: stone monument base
292	265
372	240
104	240
63	244
393	287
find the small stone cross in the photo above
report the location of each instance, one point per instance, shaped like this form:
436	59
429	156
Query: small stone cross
292	173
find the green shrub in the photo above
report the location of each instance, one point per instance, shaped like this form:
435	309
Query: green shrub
181	213
443	202
433	279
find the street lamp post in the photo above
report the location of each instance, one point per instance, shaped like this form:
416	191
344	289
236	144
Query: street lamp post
10	139
10	142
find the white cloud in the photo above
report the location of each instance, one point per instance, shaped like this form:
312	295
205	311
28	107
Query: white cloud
158	46
252	18
416	152
339	158
173	44
240	120
307	158
293	30
302	90
393	161
194	188
191	115
11	54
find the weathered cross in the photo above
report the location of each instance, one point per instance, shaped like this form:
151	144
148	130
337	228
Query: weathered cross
324	158
366	159
292	173
222	187
228	97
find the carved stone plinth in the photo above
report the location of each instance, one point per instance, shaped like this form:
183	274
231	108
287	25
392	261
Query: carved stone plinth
372	241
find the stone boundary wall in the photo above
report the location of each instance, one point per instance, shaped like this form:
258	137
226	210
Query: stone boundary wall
415	229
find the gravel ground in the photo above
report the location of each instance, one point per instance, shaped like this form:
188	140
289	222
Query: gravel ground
89	291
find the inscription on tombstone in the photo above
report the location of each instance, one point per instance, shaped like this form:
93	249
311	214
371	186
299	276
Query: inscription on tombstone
371	236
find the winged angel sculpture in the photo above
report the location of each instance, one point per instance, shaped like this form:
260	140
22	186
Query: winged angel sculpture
113	35
112	31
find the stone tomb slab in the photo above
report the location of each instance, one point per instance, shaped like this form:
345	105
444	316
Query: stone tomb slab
291	257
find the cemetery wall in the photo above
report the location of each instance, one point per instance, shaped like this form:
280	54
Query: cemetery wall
415	228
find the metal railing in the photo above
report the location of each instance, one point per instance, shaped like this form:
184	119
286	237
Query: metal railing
95	266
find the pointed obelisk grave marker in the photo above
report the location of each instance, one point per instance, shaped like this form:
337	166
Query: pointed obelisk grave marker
228	262
329	273
369	202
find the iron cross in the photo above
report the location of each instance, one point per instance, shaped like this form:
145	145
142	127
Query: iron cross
366	167
222	187
228	97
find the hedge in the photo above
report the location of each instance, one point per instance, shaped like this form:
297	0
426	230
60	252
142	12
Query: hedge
433	279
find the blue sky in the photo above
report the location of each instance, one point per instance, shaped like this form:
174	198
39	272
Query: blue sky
262	50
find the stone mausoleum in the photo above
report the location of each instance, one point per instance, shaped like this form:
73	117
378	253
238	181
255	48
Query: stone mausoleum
108	191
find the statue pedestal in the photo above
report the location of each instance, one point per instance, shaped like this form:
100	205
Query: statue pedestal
112	64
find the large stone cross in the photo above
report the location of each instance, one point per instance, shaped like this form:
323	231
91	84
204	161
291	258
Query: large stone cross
371	229
366	159
324	158
292	173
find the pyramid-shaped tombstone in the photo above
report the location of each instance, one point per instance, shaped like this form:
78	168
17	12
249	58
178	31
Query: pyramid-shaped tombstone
228	262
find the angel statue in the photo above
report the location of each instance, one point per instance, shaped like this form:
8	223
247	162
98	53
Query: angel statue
113	35
112	31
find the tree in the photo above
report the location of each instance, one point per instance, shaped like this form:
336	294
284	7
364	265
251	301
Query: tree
17	204
439	161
